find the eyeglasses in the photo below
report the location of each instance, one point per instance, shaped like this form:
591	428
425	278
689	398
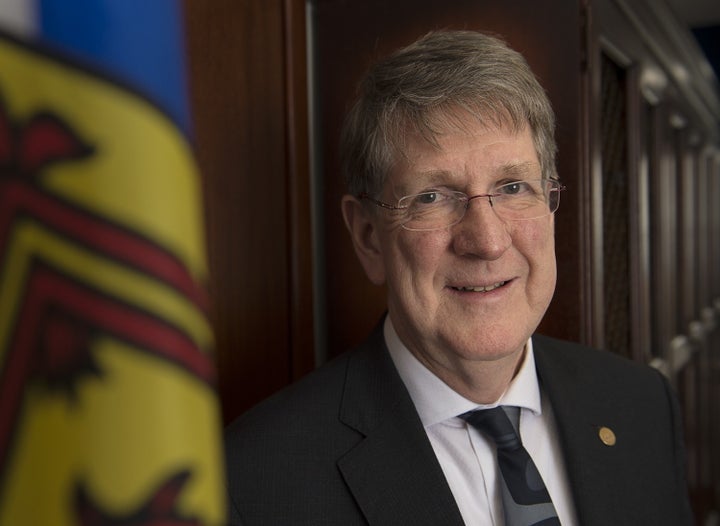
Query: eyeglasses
514	201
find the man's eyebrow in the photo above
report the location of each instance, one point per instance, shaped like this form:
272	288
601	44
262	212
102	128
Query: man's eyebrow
431	177
436	176
422	180
518	169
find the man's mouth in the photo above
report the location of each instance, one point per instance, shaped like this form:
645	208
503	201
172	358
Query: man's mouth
486	288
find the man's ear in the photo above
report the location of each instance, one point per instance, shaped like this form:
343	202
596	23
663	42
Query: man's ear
364	235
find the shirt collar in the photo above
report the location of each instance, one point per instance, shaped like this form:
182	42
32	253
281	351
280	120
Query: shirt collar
436	402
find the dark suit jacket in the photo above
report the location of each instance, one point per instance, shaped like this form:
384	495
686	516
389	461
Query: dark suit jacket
345	446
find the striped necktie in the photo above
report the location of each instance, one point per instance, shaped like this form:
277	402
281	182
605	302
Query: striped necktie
526	501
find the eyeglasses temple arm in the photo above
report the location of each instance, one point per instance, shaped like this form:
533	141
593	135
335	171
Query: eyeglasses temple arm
380	203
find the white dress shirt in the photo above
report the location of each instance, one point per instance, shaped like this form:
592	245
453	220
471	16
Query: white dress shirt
466	456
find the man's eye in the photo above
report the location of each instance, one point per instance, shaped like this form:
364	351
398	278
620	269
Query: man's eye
519	187
427	198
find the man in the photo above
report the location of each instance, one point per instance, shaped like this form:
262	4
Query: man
450	159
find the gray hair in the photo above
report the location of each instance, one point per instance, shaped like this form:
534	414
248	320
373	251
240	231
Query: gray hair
429	86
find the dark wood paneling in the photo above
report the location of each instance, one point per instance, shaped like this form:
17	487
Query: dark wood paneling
300	215
256	191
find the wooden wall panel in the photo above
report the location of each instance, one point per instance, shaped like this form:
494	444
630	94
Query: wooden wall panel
254	193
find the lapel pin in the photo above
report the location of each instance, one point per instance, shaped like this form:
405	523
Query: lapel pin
607	436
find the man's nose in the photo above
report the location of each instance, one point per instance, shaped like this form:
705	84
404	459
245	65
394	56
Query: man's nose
481	232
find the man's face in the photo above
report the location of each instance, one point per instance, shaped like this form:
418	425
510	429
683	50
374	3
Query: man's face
477	290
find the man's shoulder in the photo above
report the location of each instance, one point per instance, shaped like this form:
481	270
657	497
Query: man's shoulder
316	394
579	351
316	399
585	362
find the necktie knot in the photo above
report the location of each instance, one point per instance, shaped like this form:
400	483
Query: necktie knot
496	424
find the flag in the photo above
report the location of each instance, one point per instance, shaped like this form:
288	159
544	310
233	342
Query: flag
108	411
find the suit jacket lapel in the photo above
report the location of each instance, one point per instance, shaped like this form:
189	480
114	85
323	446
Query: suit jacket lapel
589	462
393	472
